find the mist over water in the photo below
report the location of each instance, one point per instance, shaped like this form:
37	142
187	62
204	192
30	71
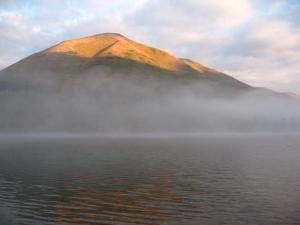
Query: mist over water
110	103
104	148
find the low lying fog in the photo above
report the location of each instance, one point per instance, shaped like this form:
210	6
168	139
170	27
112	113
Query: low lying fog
122	104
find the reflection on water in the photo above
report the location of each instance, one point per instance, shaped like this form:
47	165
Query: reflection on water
190	180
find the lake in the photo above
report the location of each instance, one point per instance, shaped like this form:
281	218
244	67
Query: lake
150	179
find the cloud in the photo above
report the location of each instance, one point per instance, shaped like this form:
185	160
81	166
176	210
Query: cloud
267	54
256	41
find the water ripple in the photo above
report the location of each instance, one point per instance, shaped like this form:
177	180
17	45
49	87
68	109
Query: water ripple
122	182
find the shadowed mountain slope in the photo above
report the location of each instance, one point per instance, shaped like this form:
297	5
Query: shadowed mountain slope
111	53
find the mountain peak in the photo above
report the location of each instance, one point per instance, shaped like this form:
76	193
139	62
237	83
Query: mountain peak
87	47
101	46
114	50
108	45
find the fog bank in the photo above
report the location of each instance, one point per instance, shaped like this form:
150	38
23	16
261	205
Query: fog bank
123	104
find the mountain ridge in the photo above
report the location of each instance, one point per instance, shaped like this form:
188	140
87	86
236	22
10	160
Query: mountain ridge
118	53
109	83
117	45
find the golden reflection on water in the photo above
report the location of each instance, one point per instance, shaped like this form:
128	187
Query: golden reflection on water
145	182
137	201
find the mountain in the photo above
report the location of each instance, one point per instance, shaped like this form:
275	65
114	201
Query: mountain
111	84
112	53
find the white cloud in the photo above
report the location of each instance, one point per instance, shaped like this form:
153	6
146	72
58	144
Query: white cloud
269	56
277	36
227	13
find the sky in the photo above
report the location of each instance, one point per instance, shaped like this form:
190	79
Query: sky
256	41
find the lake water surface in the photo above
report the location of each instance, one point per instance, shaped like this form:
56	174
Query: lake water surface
200	179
